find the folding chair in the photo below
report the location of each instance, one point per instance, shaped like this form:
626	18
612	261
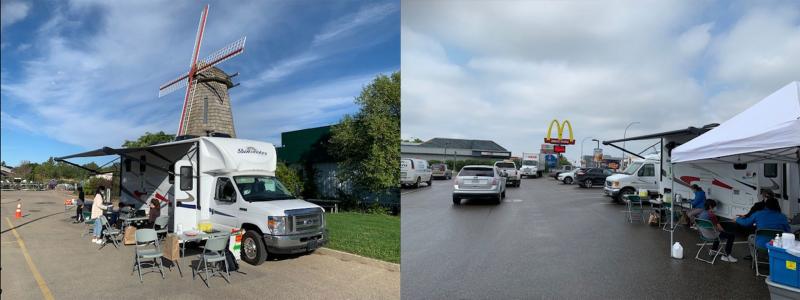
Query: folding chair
89	224
755	248
160	226
708	235
109	233
634	208
145	237
214	251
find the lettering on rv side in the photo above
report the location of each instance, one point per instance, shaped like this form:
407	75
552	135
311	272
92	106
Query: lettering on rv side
251	149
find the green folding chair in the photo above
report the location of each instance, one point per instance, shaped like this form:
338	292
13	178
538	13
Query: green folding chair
635	210
214	252
708	236
144	238
755	248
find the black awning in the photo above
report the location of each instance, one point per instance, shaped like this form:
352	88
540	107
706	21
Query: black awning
117	151
690	130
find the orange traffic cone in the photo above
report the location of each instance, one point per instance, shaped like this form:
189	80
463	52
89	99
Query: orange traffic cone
18	213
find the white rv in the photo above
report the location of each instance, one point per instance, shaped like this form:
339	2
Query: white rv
735	187
228	182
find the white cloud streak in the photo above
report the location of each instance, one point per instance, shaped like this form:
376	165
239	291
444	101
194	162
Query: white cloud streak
12	11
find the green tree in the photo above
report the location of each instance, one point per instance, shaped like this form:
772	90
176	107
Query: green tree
149	139
290	178
367	144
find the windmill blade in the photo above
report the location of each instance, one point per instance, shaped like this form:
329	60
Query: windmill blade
227	52
172	85
199	39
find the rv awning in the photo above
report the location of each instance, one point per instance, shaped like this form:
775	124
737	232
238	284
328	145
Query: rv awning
690	130
117	151
768	130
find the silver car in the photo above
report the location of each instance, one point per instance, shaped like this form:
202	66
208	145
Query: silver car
474	182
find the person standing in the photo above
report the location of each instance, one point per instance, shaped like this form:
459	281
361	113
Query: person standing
79	205
98	208
698	204
155	210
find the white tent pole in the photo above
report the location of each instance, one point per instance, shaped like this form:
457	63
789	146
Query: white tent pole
671	208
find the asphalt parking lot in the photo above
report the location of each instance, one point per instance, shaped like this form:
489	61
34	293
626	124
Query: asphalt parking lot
549	240
55	261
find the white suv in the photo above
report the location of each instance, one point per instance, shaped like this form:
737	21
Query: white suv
513	176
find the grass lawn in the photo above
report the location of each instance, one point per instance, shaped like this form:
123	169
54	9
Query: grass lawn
370	235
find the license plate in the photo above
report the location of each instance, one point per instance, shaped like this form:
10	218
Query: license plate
312	244
474	181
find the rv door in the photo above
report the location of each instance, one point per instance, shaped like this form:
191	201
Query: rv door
185	191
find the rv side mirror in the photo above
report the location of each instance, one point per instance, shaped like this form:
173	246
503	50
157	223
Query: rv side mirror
142	164
186	178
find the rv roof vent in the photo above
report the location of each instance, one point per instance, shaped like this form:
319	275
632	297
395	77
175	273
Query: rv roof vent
219	134
185	137
739	166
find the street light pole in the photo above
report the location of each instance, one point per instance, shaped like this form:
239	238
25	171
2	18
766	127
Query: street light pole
597	163
444	155
625	135
582	141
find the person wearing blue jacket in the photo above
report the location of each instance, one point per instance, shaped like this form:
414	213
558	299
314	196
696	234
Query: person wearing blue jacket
698	204
768	218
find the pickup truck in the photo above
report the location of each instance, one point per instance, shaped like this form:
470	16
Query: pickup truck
513	176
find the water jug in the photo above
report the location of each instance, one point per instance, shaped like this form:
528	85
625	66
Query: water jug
677	250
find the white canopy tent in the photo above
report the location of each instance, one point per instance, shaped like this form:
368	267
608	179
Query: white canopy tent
767	131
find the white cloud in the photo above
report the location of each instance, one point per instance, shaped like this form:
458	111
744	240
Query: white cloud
349	24
12	11
504	70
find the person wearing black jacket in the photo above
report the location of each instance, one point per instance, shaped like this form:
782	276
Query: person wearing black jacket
79	205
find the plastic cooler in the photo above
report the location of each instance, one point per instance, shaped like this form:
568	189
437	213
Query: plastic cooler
783	267
782	292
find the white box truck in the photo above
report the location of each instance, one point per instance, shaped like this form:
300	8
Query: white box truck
228	182
533	165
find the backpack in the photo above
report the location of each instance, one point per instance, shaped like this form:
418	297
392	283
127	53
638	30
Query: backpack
232	264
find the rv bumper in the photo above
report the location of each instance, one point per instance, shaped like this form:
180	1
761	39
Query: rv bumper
298	243
611	192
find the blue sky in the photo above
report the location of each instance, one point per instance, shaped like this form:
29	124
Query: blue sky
82	74
502	70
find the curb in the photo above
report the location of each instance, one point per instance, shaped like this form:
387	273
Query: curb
358	258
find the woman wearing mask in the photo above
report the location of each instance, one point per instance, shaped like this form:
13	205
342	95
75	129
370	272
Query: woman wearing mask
97	211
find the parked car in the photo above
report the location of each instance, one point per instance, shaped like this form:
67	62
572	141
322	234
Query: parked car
414	171
441	171
474	182
568	177
513	176
566	168
590	177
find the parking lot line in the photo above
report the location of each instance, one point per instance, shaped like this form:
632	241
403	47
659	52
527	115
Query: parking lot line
39	280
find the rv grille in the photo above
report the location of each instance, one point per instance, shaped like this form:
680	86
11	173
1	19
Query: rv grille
305	220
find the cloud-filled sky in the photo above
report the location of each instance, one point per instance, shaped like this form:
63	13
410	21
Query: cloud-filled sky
81	74
502	70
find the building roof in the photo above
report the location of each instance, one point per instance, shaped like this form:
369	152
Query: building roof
462	144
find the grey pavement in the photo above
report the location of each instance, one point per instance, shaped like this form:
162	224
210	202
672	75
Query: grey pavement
73	268
549	240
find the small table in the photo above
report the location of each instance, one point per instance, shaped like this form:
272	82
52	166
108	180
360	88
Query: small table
126	220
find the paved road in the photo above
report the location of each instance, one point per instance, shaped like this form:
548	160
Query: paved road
71	267
549	240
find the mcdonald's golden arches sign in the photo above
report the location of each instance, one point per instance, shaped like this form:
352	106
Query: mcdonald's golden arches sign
560	140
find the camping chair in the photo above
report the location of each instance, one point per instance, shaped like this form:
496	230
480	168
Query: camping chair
634	208
708	235
109	233
146	237
214	251
160	225
89	223
755	248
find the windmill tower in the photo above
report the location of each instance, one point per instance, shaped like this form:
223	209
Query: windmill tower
206	106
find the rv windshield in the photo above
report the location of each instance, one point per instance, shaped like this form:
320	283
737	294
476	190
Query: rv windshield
528	162
262	188
632	168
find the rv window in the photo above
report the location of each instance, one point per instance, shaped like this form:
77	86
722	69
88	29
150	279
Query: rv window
186	178
225	190
647	171
770	170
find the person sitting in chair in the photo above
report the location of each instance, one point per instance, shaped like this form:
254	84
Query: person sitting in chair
698	204
770	217
708	214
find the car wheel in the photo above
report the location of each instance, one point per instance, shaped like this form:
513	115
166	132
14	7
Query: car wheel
416	184
588	183
456	200
253	250
519	183
430	181
503	195
568	180
499	198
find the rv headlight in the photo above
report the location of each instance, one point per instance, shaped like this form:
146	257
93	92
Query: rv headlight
615	184
276	225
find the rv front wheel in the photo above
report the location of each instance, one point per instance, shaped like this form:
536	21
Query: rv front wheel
254	251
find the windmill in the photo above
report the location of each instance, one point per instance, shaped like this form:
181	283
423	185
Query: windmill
212	80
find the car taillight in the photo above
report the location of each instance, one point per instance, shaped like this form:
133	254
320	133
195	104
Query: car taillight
580	173
494	181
